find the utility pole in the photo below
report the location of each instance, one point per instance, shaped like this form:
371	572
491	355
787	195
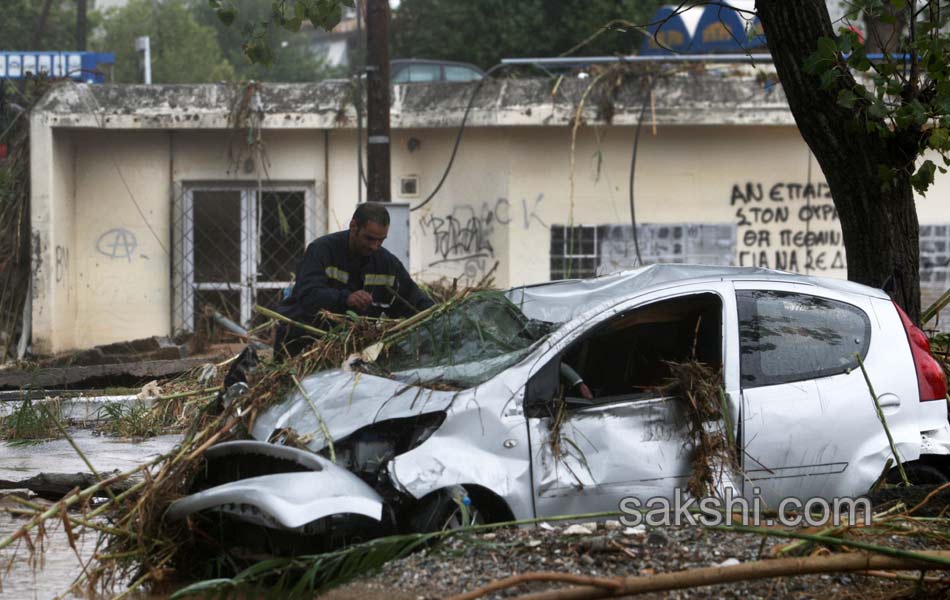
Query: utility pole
377	100
81	25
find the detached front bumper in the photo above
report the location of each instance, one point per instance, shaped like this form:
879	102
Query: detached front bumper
313	488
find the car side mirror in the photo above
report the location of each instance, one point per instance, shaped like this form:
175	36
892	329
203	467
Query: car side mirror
542	389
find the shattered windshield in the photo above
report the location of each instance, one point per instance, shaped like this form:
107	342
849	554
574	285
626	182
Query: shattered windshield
467	342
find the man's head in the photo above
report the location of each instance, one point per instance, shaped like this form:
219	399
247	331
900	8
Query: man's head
368	228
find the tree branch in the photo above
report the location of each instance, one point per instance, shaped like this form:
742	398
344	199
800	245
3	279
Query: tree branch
691	578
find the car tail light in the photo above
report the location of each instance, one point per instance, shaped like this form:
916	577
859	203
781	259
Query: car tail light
931	380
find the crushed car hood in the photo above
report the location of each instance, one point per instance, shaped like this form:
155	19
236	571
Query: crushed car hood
336	403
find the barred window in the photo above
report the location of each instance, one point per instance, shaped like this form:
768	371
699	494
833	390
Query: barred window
588	251
575	251
935	268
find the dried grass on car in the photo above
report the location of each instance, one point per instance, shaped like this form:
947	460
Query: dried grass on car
708	425
136	544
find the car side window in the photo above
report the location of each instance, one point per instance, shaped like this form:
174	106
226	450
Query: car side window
630	356
786	337
422	73
456	73
401	76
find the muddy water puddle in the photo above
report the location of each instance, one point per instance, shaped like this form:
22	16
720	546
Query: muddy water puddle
50	576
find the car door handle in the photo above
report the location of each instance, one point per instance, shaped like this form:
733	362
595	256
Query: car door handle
889	403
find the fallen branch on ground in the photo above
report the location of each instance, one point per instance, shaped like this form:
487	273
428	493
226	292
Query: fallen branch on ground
690	578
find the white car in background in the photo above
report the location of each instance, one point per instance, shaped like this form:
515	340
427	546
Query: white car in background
408	451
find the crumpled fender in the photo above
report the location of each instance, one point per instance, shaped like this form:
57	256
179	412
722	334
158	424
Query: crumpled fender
286	500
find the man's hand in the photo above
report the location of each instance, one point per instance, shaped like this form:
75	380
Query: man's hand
585	391
360	300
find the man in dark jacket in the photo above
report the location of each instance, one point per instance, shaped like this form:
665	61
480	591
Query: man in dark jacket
348	270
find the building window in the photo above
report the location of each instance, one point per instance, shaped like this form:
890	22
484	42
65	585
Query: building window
238	246
935	268
574	251
600	250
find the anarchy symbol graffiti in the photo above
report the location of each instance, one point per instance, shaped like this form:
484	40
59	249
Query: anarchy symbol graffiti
117	243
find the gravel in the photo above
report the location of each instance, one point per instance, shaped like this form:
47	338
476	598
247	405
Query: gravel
465	563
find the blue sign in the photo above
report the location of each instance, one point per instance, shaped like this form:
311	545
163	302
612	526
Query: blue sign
723	29
668	32
81	66
703	29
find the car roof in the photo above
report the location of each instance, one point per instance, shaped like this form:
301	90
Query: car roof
560	301
433	61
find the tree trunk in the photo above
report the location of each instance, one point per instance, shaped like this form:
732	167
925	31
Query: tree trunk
41	26
879	226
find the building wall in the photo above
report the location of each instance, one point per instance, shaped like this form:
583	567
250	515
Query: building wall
464	230
105	202
51	213
121	242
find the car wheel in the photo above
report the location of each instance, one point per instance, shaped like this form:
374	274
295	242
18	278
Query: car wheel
445	510
919	474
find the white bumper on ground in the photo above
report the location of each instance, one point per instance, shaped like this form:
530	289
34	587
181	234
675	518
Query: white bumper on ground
284	500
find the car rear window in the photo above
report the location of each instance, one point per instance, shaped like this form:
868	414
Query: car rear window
787	337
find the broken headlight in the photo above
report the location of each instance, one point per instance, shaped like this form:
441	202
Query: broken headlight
366	451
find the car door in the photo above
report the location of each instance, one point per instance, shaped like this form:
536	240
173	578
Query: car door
808	426
586	458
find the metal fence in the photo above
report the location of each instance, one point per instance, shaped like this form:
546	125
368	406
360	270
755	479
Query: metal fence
238	246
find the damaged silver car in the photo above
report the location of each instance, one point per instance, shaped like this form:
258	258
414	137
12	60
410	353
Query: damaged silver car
548	400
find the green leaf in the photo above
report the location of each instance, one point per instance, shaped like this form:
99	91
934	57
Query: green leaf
203	587
846	98
827	48
924	177
898	4
845	41
227	14
812	63
859	60
334	16
829	77
917	112
292	24
939	139
893	86
877	109
258	51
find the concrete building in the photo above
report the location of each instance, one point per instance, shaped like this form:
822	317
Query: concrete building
152	202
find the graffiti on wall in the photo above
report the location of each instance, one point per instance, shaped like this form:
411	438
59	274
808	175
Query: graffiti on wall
462	243
62	263
117	243
787	226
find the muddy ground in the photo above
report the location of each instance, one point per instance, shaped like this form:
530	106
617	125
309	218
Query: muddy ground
610	550
466	563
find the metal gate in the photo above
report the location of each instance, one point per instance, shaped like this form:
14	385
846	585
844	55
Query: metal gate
238	246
